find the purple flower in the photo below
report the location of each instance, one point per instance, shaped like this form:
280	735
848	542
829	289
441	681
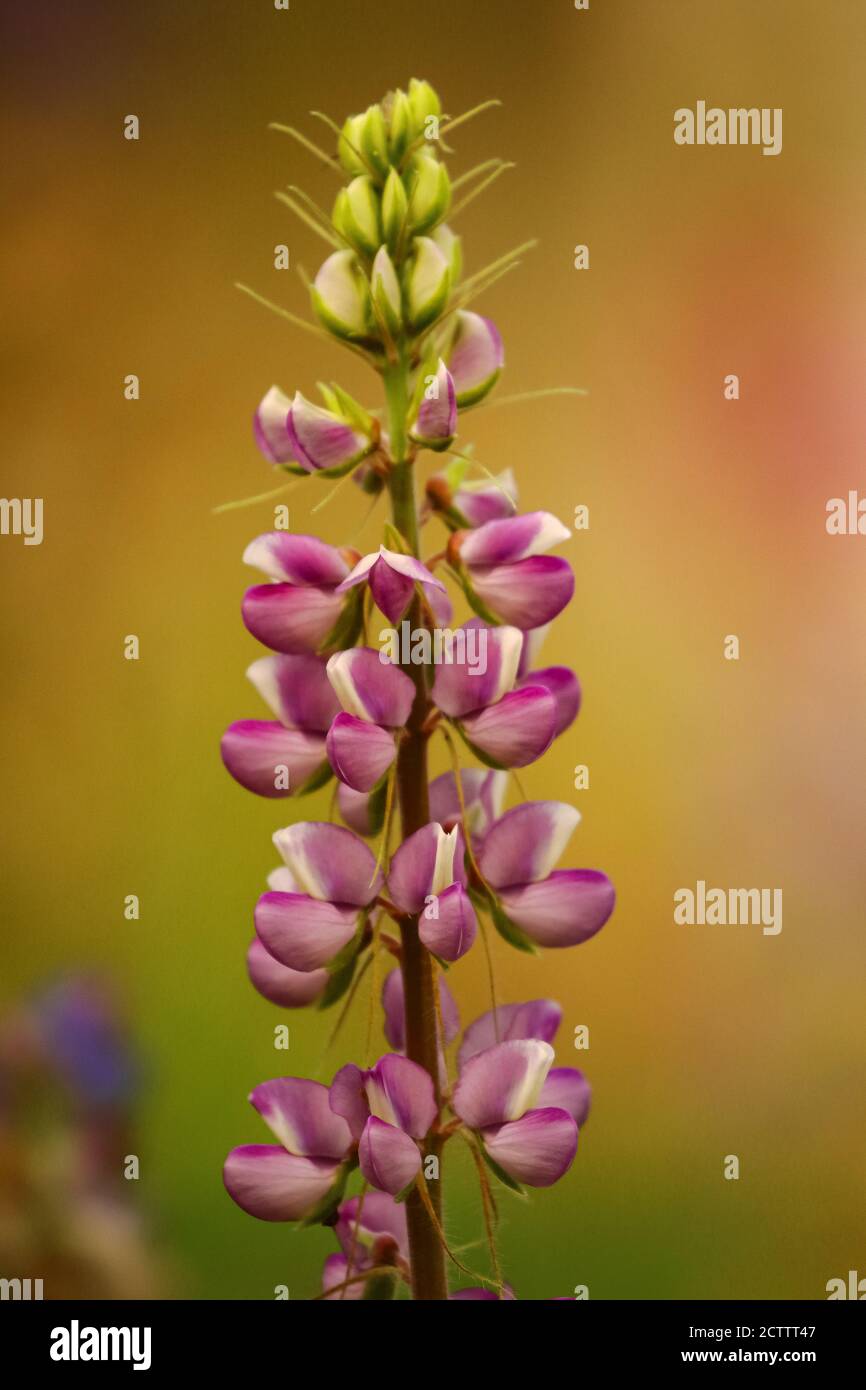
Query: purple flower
427	879
287	756
565	1088
552	907
270	430
483	795
435	423
392	578
377	699
508	573
75	1027
323	442
503	727
472	502
499	1096
388	1109
479	1295
563	685
479	500
316	909
393	1005
288	1181
290	989
559	680
476	357
297	612
371	1232
363	812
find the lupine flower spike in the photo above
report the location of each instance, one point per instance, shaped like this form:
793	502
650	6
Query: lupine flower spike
394	864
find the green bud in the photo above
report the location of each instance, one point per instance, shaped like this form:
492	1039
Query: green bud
428	283
374	140
350	410
386	292
340	297
423	103
400	127
430	192
356	215
349	146
395	205
451	247
329	396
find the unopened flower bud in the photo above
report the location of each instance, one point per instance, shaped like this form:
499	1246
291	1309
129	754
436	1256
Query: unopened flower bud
386	292
452	249
399	126
430	192
341	298
349	146
374	140
428	283
395	206
322	440
424	103
435	424
356	215
475	357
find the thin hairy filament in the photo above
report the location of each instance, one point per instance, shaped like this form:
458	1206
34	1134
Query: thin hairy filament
260	497
307	144
488	1206
421	1187
305	217
350	999
478	190
491	401
353	1245
355	1279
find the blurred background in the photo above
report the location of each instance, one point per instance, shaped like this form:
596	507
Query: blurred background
707	518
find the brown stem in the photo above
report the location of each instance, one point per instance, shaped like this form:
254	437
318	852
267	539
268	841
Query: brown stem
426	1254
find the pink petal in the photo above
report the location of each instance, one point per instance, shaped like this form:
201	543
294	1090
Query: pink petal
565	689
297	690
262	756
389	1159
528	593
566	1088
503	1082
370	688
302	932
329	862
568	907
536	1149
523	845
517	730
513	538
274	1185
296	559
290	989
360	753
298	1113
423	865
480	667
449	931
539	1018
393	1005
290	618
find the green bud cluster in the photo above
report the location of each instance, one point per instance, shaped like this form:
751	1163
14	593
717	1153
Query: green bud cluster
399	262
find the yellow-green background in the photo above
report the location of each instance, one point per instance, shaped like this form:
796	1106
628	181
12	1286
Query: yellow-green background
707	518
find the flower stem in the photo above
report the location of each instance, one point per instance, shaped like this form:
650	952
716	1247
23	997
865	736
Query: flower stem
425	1249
